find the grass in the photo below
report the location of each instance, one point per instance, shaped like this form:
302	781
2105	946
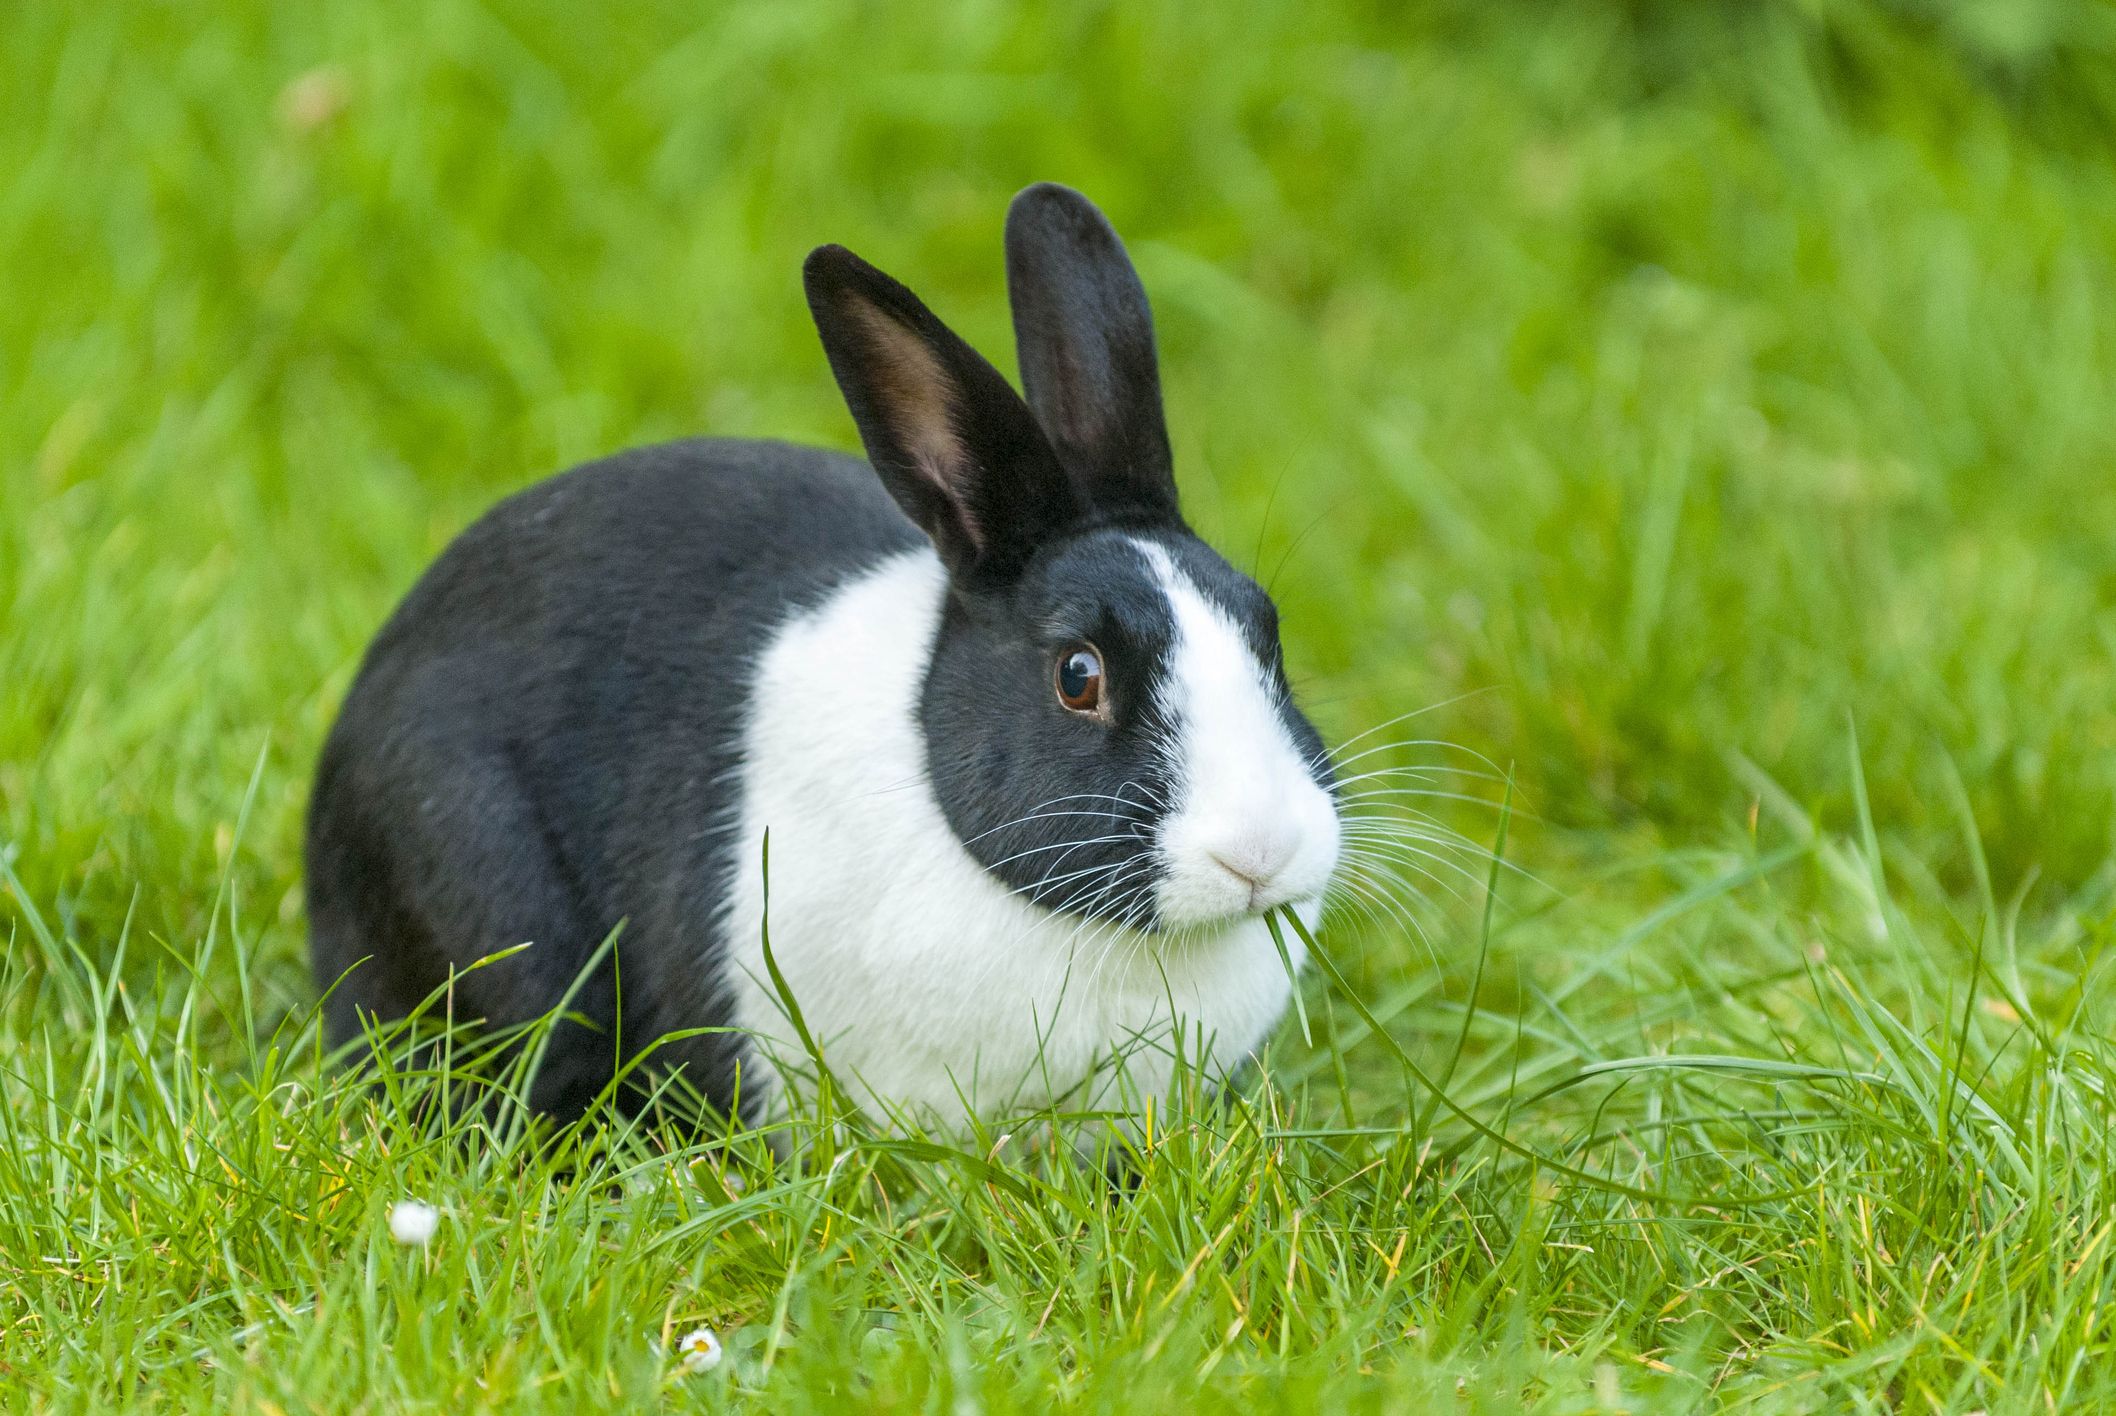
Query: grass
1707	407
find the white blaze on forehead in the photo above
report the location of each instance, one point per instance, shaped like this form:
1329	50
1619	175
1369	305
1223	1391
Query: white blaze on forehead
1247	826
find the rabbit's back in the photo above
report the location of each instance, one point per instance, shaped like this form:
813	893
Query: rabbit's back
543	741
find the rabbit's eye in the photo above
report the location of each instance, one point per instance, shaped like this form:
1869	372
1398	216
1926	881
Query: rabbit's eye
1080	679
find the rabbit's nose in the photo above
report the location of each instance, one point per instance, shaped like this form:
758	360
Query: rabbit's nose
1255	859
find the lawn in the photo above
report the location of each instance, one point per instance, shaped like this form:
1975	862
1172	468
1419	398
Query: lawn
1702	416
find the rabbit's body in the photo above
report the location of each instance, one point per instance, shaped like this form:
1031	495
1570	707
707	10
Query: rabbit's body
532	754
987	874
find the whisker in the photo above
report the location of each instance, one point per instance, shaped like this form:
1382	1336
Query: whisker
1439	743
1377	829
1386	813
1383	909
1041	815
1062	846
1405	829
1411	858
1406	717
1042	888
1431	776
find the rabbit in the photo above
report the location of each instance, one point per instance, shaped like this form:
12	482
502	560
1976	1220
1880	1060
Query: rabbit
1022	745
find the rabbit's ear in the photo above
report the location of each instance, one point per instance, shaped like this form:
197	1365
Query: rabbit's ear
953	442
1085	338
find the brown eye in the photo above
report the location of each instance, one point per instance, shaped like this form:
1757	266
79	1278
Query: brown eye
1080	679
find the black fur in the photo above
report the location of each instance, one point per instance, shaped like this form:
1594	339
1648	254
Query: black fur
544	739
1084	336
995	492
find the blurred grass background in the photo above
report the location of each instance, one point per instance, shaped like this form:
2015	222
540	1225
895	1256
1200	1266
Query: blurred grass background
1696	399
1695	379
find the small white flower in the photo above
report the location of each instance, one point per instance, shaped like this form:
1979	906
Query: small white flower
411	1222
699	1349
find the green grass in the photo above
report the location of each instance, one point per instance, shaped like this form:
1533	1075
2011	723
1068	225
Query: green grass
1711	408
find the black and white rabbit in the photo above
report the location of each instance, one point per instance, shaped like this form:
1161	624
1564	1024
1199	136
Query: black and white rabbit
1023	743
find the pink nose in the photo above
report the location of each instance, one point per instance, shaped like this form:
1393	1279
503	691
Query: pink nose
1255	860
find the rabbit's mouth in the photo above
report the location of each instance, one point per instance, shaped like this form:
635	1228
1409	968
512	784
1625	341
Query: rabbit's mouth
1213	875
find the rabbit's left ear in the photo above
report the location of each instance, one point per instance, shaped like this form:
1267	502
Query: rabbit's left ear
1085	338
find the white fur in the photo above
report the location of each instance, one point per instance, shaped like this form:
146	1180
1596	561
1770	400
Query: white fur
928	984
1249	828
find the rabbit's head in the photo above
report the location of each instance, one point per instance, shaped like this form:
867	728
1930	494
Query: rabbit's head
1108	725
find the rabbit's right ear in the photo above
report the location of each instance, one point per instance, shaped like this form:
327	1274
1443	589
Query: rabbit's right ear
952	441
